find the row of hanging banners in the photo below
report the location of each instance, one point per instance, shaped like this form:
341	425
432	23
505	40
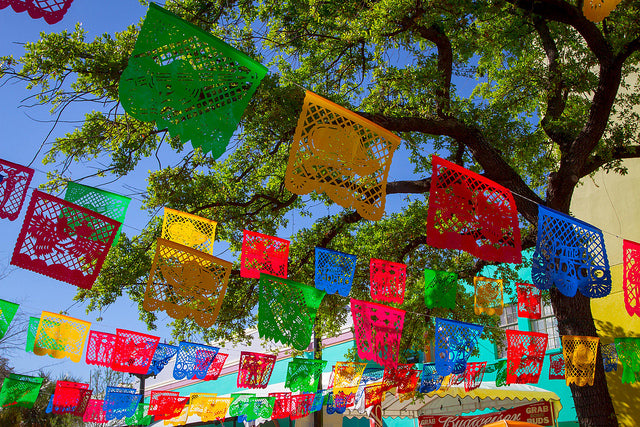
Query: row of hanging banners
337	152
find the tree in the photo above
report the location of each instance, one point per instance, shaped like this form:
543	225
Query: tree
527	92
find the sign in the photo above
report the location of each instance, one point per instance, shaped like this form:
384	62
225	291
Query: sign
540	413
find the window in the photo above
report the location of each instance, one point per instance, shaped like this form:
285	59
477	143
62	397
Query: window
508	320
548	325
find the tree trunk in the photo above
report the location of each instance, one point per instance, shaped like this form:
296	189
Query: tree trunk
317	354
592	403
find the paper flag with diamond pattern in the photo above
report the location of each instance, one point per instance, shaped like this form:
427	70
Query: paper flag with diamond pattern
255	369
32	329
260	407
199	403
303	375
342	154
287	311
430	379
334	271
571	255
454	343
70	398
488	296
141	417
14	184
263	254
189	230
20	390
162	355
609	357
59	336
378	330
100	348
111	205
628	349
281	406
579	359
217	410
525	355
473	375
188	81
346	376
239	403
216	366
631	277
185	282
301	405
440	288
388	280
193	360
337	403
63	241
472	213
121	402
133	352
556	366
51	11
369	376
7	312
529	301
94	413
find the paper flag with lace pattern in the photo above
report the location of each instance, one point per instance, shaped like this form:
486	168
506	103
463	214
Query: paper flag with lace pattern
188	81
430	380
181	418
628	349
216	366
51	11
337	403
217	410
454	343
334	271
281	406
189	230
556	366
488	296
318	401
342	154
525	355
199	403
133	352
14	184
303	375
373	395
141	417
193	360
239	403
63	241
287	311
346	376
159	402
473	375
111	205
528	301
571	255
70	398
32	329
255	369
60	336
597	10
631	277
173	407
301	405
472	213
94	413
401	377
579	359
162	356
100	348
609	357
120	402
378	330
260	407
7	312
20	390
388	280
263	254
185	282
440	288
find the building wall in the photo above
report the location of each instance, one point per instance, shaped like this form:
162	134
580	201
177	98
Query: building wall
611	202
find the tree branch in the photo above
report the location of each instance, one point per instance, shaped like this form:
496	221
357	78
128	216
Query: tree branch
596	162
445	65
